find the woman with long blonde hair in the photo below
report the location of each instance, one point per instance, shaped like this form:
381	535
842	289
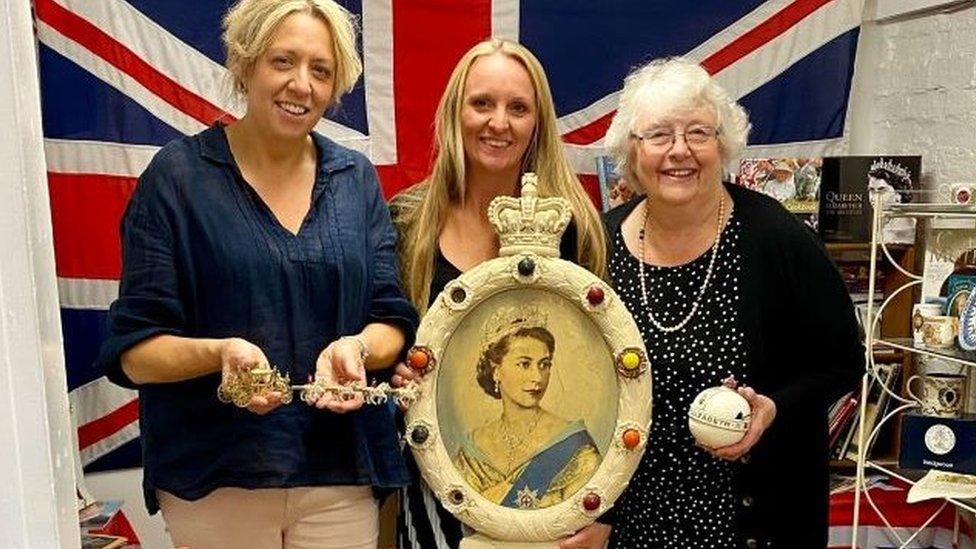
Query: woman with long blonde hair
495	121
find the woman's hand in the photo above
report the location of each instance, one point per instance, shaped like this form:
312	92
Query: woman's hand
594	536
239	355
763	414
340	363
403	375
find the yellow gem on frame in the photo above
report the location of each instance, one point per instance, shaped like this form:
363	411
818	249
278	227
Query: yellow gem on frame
630	360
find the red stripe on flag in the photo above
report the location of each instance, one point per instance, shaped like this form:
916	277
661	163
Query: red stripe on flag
108	425
749	42
591	184
85	213
761	34
591	132
119	56
430	37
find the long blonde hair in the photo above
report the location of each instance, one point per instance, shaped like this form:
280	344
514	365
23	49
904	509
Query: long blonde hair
421	212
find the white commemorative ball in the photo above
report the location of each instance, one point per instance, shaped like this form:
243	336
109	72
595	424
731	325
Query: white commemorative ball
719	416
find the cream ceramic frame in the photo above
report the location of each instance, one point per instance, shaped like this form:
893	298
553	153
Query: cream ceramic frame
620	333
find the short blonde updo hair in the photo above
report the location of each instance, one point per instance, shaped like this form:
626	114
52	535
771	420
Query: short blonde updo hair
667	86
250	25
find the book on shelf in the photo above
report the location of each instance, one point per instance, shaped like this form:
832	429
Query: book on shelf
846	483
98	514
864	321
614	190
794	182
837	405
856	275
106	518
840	415
101	541
885	381
89	511
845	196
841	440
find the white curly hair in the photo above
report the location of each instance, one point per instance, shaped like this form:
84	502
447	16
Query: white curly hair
662	88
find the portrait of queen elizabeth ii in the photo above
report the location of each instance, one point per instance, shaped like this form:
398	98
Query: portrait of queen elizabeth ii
527	456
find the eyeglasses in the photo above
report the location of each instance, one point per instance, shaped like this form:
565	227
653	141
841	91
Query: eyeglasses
664	138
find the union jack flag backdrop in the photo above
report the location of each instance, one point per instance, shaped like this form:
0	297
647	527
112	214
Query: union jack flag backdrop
120	78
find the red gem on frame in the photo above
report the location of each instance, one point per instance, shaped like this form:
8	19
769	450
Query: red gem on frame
595	295
631	438
591	502
418	359
962	196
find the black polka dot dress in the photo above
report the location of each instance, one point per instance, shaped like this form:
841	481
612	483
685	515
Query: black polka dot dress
680	496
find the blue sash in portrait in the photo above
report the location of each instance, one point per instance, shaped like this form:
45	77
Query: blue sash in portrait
543	468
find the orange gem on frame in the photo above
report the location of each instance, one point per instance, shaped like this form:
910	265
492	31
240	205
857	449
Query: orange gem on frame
418	359
631	438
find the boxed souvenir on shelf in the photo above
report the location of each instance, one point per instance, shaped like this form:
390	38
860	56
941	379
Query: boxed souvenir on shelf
845	196
946	444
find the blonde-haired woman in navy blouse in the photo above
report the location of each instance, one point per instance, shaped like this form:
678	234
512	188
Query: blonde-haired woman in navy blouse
263	243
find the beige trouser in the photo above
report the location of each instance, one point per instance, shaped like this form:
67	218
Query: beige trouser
327	517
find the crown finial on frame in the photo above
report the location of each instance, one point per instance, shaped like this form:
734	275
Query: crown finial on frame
529	224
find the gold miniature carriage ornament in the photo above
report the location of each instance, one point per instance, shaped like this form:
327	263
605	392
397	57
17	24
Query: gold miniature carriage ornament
535	390
239	389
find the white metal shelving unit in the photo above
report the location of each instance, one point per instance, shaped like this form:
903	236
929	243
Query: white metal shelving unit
880	217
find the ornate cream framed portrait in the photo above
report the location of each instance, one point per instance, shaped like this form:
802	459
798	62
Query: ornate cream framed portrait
535	398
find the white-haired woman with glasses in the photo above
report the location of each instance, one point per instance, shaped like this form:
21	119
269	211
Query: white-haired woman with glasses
722	282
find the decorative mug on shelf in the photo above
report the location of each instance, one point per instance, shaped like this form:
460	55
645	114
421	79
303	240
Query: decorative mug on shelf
958	193
939	332
942	395
920	312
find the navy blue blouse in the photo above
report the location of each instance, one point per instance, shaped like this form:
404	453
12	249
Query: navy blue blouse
204	257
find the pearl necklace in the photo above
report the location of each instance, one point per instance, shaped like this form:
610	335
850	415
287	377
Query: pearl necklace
704	286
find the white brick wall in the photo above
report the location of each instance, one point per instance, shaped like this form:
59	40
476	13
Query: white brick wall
915	92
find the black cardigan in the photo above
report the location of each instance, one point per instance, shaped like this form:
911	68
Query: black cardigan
804	351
